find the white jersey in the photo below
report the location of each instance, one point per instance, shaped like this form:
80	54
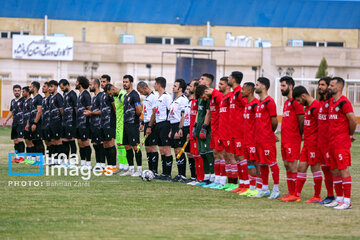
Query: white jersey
176	108
149	104
162	107
187	114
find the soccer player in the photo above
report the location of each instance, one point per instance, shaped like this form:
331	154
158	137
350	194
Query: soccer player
237	105
16	111
323	138
162	127
249	140
56	110
82	122
266	123
176	134
131	138
69	117
291	132
27	111
148	106
203	132
35	118
309	152
45	118
342	124
95	123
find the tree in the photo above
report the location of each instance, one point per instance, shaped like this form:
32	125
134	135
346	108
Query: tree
322	69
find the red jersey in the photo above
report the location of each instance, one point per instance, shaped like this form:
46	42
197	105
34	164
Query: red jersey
225	127
249	122
215	101
193	113
339	124
290	132
323	128
264	111
237	105
311	124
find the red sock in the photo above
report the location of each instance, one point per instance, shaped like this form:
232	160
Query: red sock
338	186
234	171
300	181
346	182
289	182
228	170
328	180
317	183
264	172
199	168
252	180
258	182
222	168
217	167
275	172
239	170
293	184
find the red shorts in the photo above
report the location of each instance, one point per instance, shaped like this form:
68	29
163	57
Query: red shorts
238	146
227	146
324	156
250	152
266	153
290	151
340	158
194	147
213	140
310	155
219	146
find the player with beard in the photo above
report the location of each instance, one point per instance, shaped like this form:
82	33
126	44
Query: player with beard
16	111
342	124
95	123
69	117
45	117
323	139
56	110
27	111
291	132
266	123
82	122
148	106
35	118
309	153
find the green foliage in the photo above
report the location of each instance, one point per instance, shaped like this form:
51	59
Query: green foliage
322	69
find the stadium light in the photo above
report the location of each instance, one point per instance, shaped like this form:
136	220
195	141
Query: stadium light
279	69
148	65
290	71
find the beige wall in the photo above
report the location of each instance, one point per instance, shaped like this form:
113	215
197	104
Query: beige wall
108	32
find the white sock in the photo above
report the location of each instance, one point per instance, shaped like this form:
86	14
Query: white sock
83	163
88	164
223	180
139	168
125	166
102	165
121	166
347	200
265	187
252	187
131	168
276	187
212	177
217	179
340	199
206	177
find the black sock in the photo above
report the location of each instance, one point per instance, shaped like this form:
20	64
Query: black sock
149	160
87	153
39	146
82	154
96	148
110	154
181	162
138	157
28	149
66	148
205	164
16	147
192	167
155	160
72	145
101	153
163	161
130	156
21	147
211	159
168	164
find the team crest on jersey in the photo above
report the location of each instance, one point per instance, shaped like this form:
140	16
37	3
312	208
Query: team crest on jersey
249	108
128	99
337	108
289	103
309	112
326	105
262	105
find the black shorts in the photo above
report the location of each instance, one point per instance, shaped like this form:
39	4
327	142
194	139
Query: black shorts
176	143
151	140
46	134
131	134
107	134
95	135
17	132
36	135
56	131
27	135
69	132
83	133
161	132
186	131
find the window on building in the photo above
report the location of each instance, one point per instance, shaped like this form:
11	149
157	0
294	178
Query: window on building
309	44
39	78
5	76
6	34
167	40
335	44
182	41
321	44
153	40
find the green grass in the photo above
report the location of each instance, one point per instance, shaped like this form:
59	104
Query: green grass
127	208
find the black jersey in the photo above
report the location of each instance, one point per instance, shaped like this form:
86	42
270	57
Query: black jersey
131	100
56	103
69	114
36	101
95	120
83	103
16	107
45	112
108	117
27	110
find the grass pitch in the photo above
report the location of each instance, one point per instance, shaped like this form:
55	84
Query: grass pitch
126	208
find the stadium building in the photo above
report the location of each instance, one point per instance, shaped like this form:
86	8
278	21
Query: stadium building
144	38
